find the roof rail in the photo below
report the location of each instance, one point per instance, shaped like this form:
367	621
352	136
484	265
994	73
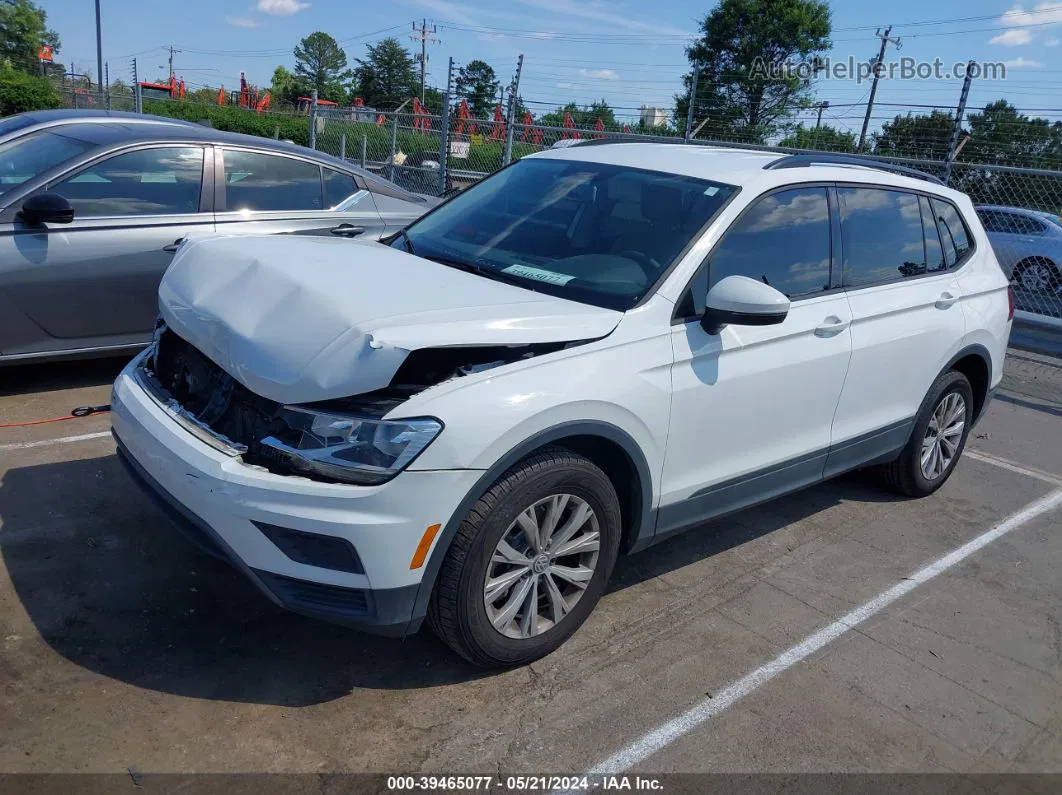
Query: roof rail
831	158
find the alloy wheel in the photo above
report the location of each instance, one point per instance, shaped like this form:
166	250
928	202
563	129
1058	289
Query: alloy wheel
541	566
943	435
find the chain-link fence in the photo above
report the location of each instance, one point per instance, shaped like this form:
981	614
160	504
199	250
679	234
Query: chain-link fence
1019	206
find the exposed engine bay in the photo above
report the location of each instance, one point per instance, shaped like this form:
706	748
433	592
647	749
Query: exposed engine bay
216	400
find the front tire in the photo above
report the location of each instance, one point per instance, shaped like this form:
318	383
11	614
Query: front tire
529	562
937	440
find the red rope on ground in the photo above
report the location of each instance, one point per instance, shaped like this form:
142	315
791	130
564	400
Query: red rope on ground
76	414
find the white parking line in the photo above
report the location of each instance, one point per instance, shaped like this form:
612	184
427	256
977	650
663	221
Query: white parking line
84	437
1013	466
662	736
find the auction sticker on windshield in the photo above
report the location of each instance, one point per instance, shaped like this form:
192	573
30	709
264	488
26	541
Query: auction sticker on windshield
538	274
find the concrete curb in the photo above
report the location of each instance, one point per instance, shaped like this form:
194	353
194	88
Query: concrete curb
1037	333
1033	319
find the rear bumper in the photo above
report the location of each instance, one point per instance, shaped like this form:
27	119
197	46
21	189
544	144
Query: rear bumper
386	611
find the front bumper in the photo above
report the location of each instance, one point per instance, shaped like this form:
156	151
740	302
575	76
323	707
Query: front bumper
222	505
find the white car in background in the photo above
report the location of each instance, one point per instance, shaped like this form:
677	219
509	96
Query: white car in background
582	355
1028	244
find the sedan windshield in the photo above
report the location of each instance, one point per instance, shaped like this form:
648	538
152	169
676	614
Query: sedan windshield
29	155
592	232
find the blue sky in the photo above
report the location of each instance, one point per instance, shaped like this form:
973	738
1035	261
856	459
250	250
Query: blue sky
629	53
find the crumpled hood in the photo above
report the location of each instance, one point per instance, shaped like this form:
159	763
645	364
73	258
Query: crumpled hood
301	319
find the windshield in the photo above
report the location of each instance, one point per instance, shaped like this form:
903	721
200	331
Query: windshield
30	155
591	232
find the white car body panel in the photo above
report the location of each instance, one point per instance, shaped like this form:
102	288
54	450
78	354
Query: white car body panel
344	326
734	375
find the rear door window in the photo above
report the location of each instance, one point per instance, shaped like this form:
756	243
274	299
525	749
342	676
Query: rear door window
934	251
256	181
953	233
882	236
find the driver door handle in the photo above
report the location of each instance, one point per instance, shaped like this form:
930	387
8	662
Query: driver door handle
172	247
831	326
946	300
347	230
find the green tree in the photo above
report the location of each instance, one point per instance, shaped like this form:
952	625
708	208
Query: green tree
477	83
286	88
822	139
1001	134
23	29
20	92
584	117
747	53
923	136
386	78
321	63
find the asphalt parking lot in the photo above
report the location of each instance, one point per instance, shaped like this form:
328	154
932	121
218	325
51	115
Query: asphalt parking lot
123	647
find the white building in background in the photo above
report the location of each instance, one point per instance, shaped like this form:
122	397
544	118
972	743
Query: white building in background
653	117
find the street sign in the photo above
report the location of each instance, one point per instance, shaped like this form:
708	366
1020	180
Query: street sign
459	149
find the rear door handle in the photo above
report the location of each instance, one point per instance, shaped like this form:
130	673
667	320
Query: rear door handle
347	230
172	247
830	326
946	300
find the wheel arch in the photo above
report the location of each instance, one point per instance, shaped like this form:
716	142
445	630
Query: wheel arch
975	362
600	442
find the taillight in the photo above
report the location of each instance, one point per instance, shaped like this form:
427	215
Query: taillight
1010	303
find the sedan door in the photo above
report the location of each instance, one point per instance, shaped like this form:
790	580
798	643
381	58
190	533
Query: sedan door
272	193
93	283
752	407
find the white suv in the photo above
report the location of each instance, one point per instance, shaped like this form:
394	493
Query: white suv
589	351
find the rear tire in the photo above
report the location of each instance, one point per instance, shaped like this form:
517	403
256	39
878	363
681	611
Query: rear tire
1038	275
503	597
937	440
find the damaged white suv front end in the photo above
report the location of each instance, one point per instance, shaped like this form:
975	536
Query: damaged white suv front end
269	417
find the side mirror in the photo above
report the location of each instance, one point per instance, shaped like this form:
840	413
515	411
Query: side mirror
46	208
741	301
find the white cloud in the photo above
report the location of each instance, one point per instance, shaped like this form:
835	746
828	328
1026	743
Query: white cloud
543	34
600	13
243	22
599	74
566	86
281	8
1053	42
1022	63
1041	14
1012	37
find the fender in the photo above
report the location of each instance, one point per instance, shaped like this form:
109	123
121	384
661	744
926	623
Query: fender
982	352
644	523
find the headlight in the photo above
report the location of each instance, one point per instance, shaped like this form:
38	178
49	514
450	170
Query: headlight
351	449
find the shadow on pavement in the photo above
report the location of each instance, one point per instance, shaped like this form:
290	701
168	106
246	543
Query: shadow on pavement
26	378
112	587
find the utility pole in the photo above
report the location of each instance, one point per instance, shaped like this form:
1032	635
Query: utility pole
821	106
878	64
107	84
510	121
172	52
960	112
424	35
693	101
99	49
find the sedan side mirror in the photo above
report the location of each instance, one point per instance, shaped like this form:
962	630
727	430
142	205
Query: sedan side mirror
46	208
741	301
